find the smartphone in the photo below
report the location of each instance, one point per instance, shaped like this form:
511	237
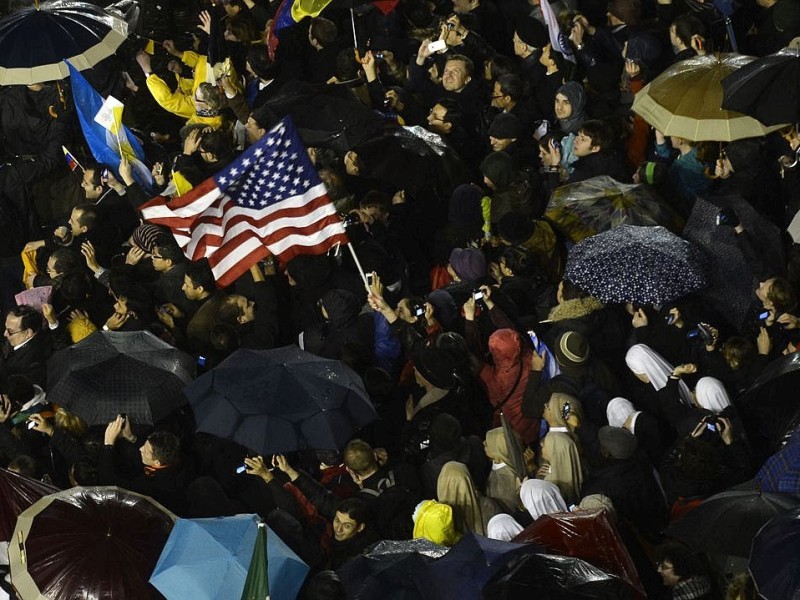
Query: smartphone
419	310
670	319
711	427
477	295
31	424
565	410
437	46
241	469
555	144
201	361
369	278
763	316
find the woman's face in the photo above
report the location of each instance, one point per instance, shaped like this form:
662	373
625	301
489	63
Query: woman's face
563	107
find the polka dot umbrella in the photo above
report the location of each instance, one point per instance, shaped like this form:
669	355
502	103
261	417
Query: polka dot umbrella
643	265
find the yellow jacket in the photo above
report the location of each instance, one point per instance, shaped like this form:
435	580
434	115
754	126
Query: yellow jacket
434	521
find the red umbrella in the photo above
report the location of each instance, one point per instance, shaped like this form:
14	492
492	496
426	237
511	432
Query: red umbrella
589	535
17	493
93	542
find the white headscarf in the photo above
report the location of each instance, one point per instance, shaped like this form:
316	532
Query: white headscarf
541	498
502	527
643	360
711	395
618	411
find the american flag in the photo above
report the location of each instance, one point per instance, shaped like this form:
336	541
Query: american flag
270	200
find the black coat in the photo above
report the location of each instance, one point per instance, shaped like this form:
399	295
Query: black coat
31	359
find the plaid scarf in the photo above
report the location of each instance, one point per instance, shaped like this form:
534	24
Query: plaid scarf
691	588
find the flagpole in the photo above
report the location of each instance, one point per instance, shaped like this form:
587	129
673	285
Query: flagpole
355	38
359	267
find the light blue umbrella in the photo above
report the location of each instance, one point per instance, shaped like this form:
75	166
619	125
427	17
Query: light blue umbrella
206	559
286	570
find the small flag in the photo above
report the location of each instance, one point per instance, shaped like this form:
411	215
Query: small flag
150	47
72	162
110	115
558	41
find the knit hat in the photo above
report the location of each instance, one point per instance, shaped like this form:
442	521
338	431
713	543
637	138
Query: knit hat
572	349
499	168
468	263
532	32
435	365
445	432
146	235
515	227
505	126
618	441
627	11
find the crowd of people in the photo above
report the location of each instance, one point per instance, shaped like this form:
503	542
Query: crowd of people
641	420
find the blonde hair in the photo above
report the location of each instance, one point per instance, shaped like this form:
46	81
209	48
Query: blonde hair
71	423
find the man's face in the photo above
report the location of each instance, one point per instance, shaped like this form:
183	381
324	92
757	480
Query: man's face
253	132
74	222
763	290
436	122
673	39
520	48
345	528
583	145
248	307
563	107
148	459
499	99
91	191
190	291
160	264
455	78
13	331
498	144
51	268
461	7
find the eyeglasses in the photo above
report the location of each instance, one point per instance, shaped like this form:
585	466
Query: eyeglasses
9	332
156	256
498	96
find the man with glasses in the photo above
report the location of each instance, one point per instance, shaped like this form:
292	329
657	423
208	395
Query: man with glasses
28	345
170	264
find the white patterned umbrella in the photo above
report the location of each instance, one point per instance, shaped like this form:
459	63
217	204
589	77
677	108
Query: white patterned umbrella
643	265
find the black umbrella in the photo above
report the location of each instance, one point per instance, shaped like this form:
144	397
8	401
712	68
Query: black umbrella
35	41
281	400
726	523
113	372
767	88
770	404
554	578
731	280
775	558
644	265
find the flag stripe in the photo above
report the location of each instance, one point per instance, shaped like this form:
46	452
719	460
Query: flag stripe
269	200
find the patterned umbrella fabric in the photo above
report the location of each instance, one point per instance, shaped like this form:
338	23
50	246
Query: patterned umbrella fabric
686	101
643	265
781	472
35	41
113	372
583	209
88	542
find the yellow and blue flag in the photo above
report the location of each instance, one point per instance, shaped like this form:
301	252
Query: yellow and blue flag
107	144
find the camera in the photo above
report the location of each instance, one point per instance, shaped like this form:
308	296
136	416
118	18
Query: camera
419	310
450	25
477	294
712	427
370	278
670	319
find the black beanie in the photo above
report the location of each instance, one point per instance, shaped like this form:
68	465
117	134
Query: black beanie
532	32
505	126
435	365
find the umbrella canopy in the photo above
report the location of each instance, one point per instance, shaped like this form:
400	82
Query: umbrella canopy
554	578
206	559
775	558
601	203
781	472
280	400
767	89
465	569
770	403
589	535
88	542
644	265
17	493
286	571
113	372
35	41
726	523
686	101
731	280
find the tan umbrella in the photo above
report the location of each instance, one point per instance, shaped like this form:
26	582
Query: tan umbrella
686	101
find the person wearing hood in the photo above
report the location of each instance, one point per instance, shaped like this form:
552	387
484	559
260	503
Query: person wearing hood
433	521
344	329
562	464
530	37
621	413
505	379
471	511
468	270
464	227
507	134
504	481
570	112
510	189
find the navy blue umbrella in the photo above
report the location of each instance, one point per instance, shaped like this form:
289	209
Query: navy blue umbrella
35	41
643	265
775	558
281	400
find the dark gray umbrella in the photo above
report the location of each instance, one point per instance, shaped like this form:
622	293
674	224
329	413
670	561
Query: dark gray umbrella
113	372
281	400
643	265
731	280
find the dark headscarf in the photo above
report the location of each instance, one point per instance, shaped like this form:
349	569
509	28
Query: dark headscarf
465	208
499	168
577	98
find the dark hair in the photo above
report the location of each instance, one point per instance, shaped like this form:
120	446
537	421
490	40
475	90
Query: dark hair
453	113
685	563
324	585
782	295
500	65
166	447
170	251
355	508
511	85
66	262
600	134
30	319
520	261
697	459
243	28
218	142
376	199
24	465
260	62
469	66
88	215
96	170
686	27
201	275
323	30
84	472
229	311
264	117
738	352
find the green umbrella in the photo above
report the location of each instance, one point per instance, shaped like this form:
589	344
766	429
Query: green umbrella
256	586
